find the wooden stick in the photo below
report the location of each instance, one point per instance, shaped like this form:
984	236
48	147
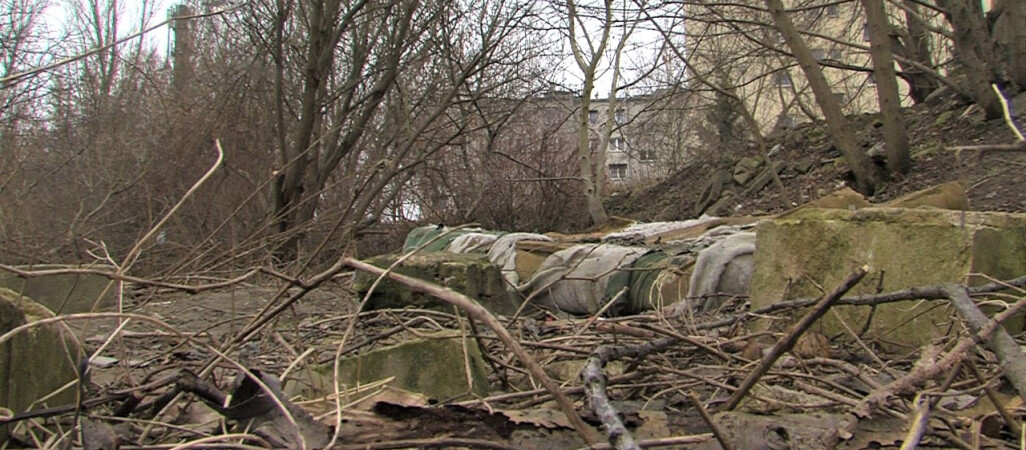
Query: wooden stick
792	336
716	430
1011	357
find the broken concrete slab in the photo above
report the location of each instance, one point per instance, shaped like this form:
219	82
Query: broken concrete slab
63	293
35	362
468	273
437	366
811	250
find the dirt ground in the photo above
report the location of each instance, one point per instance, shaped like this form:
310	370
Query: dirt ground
655	403
994	181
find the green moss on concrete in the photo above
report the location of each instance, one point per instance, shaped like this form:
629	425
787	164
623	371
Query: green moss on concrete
63	293
35	362
800	255
468	273
435	367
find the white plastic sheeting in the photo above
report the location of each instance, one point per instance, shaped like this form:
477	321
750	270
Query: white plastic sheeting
503	254
577	280
472	242
723	269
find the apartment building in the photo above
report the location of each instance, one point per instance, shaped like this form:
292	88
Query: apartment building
735	47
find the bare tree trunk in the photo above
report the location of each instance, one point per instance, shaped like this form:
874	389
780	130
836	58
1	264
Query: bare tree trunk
1008	18
973	48
867	177
895	136
589	67
916	47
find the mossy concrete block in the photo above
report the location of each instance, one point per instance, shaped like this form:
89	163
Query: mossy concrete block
436	367
35	362
798	254
468	273
64	293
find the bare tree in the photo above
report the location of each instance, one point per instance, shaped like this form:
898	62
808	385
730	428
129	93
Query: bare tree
895	136
867	177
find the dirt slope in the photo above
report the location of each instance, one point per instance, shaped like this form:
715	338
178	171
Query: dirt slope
996	181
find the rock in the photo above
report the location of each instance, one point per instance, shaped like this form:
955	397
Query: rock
745	169
803	165
35	362
468	273
945	196
64	293
434	366
798	254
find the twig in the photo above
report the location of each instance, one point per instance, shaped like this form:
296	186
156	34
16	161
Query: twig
1008	115
477	312
1011	357
919	421
716	430
792	336
1012	423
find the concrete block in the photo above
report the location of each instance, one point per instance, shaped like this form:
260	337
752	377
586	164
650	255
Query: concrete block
800	253
435	367
468	273
35	362
63	293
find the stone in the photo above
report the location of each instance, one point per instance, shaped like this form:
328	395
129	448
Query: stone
64	293
945	196
469	273
434	366
34	362
745	169
800	253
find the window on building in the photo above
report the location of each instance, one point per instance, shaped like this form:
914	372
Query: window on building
871	80
784	79
620	116
835	54
833	10
788	121
840	98
865	32
618	171
780	38
818	53
646	155
593	116
617	145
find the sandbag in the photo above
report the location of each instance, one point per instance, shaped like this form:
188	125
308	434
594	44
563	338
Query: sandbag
722	270
582	278
472	243
422	235
659	279
503	254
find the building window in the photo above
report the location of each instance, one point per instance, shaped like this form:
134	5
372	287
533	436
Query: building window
871	80
780	38
617	145
646	155
788	121
593	116
865	32
840	98
818	54
617	171
833	10
784	79
835	54
620	116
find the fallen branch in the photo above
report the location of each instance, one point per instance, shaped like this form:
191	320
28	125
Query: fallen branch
1012	360
935	292
792	336
594	380
921	373
477	312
